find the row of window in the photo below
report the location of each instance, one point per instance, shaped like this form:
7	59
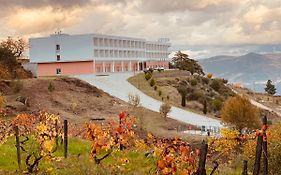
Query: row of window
119	53
127	54
104	42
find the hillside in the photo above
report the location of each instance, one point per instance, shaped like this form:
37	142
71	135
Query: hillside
79	102
214	91
245	69
18	72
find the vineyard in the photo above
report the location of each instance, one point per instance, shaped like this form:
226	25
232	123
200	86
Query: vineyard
46	144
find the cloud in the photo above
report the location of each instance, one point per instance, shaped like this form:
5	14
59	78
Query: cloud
25	17
41	20
43	3
164	6
186	22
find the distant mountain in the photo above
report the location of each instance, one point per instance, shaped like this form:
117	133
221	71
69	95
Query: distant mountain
248	69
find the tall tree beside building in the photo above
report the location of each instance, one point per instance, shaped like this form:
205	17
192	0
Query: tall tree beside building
270	88
183	62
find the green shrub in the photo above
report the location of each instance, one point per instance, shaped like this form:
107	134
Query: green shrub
155	88
51	87
217	104
205	80
195	95
159	93
225	81
152	82
216	85
193	82
17	86
148	75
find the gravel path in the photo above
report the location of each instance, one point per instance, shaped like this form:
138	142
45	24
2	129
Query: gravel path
116	84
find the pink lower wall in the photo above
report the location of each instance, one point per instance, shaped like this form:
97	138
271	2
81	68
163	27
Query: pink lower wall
67	68
154	64
89	67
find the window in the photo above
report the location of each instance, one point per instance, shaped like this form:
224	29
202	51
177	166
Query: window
57	47
58	57
58	71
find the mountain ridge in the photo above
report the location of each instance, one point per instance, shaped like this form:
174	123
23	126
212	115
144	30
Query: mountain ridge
245	69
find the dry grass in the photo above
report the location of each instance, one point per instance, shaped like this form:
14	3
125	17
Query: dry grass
155	123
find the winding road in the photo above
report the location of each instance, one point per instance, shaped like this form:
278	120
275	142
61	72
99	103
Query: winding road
116	84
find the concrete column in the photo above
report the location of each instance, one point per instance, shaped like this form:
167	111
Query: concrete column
122	66
94	66
103	66
130	65
138	66
113	66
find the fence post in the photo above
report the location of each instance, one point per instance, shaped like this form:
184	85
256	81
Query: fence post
65	140
256	170
245	167
264	146
18	146
202	160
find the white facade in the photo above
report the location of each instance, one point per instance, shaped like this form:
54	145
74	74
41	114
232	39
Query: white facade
71	48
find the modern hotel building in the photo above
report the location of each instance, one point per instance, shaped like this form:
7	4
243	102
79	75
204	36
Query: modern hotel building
94	53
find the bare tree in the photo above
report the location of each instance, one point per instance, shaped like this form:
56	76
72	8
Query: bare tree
165	108
16	46
134	100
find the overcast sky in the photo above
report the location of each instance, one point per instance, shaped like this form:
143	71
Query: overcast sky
201	27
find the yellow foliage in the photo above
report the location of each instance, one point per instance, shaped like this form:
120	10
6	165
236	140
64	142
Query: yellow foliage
240	113
227	143
48	145
210	76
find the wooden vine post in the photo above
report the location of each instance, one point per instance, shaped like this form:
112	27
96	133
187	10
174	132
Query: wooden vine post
261	147
202	160
245	167
264	146
121	118
65	140
18	146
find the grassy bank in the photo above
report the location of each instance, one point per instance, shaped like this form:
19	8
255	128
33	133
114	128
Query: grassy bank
79	161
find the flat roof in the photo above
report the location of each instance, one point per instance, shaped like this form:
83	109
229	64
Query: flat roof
100	35
89	35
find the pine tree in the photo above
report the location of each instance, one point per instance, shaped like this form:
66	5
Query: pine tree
270	88
183	62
